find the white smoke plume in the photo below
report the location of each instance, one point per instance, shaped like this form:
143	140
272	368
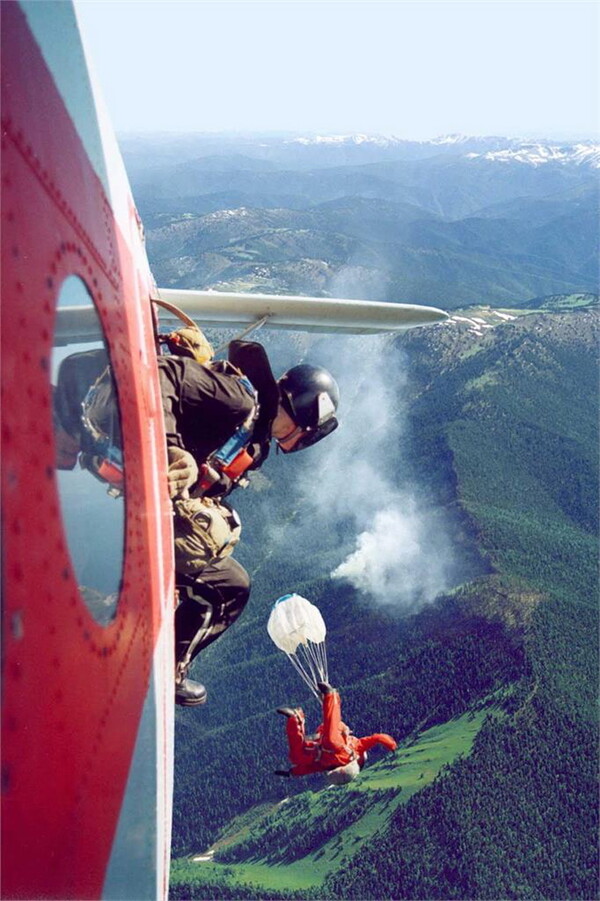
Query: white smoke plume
395	560
402	554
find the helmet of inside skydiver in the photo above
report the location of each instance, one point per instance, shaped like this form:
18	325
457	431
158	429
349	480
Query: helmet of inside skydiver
310	396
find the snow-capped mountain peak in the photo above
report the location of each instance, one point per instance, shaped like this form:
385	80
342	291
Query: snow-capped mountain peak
352	139
450	139
539	154
491	148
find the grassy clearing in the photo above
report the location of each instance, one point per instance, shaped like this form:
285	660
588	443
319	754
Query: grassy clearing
391	782
413	767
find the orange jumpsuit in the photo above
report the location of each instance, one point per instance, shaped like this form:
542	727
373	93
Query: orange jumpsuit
333	745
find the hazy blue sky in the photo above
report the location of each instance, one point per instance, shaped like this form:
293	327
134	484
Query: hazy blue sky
412	69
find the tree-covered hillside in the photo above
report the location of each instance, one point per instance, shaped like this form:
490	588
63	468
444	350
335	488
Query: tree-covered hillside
488	443
443	224
375	248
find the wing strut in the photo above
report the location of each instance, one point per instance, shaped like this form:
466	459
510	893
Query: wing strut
245	333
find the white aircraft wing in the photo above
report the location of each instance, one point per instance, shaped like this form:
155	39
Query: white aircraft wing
312	314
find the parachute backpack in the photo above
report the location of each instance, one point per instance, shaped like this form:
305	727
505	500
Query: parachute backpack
297	628
206	530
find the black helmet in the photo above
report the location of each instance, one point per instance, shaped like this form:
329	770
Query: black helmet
310	395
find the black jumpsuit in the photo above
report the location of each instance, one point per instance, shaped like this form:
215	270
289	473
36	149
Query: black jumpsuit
202	408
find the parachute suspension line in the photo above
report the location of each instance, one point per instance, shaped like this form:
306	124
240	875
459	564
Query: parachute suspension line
307	677
310	660
320	651
313	660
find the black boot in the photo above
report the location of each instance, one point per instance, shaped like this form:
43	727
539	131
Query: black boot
286	711
189	693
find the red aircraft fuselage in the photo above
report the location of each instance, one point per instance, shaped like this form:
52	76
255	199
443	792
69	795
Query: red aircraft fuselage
87	708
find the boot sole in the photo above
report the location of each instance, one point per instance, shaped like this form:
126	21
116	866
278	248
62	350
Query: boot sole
186	702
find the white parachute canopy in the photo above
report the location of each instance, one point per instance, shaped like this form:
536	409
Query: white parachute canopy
297	628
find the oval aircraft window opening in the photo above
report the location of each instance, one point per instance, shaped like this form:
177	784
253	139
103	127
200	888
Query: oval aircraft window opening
88	458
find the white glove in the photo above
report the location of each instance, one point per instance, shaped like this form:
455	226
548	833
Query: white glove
182	472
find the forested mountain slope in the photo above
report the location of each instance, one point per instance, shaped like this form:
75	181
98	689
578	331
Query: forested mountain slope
386	250
447	223
480	444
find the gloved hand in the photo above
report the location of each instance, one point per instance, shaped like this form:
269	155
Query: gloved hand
182	472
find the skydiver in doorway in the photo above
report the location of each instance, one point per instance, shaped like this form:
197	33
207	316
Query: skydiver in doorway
333	750
210	407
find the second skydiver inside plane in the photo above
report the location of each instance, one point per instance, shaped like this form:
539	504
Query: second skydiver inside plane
220	418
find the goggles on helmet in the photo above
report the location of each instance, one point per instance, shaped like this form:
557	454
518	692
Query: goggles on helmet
310	436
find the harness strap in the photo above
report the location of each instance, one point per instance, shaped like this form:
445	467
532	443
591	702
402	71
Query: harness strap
321	749
183	664
105	457
232	458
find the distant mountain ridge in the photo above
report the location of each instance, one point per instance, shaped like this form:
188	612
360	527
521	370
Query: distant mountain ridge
301	150
447	222
520	150
380	249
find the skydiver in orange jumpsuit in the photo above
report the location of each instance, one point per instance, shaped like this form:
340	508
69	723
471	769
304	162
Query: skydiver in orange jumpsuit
333	750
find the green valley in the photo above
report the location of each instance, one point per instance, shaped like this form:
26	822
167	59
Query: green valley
269	855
